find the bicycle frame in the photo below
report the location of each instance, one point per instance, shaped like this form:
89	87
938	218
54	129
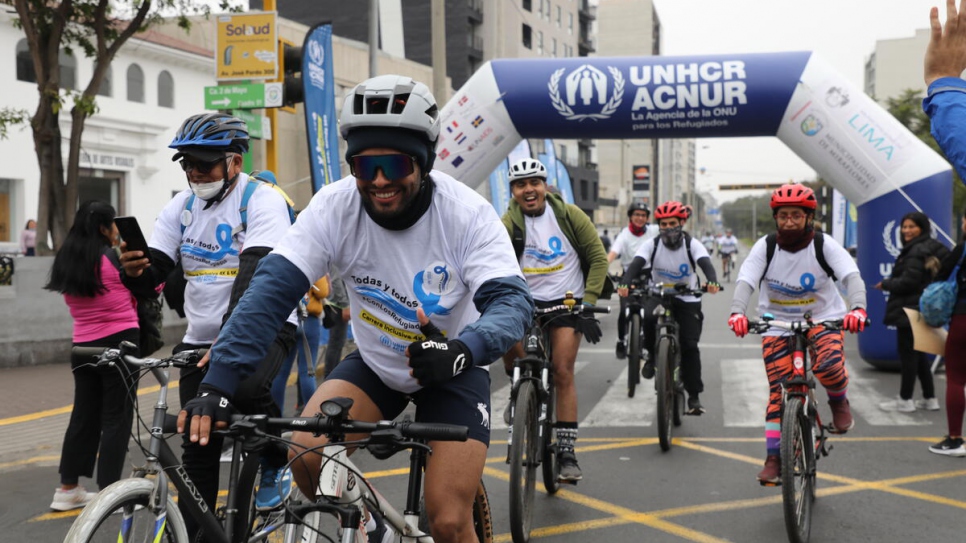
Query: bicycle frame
802	384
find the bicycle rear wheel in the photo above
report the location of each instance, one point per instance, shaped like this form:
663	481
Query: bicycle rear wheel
664	383
523	461
550	467
634	354
120	512
798	470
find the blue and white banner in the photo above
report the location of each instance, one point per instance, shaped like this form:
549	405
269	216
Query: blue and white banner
563	182
500	188
549	160
321	124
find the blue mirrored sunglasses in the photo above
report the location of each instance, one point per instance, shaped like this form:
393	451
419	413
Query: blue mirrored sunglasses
364	167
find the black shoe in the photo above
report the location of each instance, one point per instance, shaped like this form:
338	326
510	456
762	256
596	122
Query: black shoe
621	349
694	405
569	470
647	370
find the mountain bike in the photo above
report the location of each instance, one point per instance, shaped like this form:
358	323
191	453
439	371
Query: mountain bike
727	264
139	509
533	404
667	358
803	436
636	354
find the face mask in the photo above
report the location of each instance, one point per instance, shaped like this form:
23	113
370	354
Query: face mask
672	236
205	191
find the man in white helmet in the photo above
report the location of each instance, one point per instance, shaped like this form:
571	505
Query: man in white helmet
419	252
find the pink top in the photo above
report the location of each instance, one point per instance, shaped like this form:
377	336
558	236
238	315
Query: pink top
107	313
28	238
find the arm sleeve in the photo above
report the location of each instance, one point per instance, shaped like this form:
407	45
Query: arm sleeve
506	309
634	270
945	104
854	290
911	280
743	292
949	262
707	267
593	251
154	275
247	262
275	289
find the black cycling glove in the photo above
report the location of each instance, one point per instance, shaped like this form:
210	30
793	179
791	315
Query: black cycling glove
590	328
437	360
210	402
331	315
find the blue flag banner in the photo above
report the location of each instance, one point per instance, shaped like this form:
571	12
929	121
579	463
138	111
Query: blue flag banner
549	159
500	187
321	125
564	183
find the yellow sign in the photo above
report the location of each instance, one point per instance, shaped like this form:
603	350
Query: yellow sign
247	47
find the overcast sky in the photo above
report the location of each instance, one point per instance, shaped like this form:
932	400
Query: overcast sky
843	32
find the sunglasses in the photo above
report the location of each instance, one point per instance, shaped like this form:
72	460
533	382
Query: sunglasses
365	167
202	167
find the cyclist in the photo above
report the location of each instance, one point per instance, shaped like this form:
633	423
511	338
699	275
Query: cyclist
728	249
670	259
796	282
625	247
559	251
219	258
410	243
709	242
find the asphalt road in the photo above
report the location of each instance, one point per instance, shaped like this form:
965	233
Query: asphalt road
879	483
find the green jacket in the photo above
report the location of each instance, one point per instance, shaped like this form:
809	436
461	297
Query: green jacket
580	232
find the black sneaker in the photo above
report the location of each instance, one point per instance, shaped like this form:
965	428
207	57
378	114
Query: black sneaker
621	349
647	370
569	470
949	446
694	405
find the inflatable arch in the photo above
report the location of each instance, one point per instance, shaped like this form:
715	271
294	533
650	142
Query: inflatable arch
839	131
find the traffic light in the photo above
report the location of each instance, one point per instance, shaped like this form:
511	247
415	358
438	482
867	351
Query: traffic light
290	74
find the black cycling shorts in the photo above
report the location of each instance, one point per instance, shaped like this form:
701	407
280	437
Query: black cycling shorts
562	321
463	400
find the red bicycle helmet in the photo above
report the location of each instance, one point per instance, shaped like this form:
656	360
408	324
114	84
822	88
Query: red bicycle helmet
671	209
793	195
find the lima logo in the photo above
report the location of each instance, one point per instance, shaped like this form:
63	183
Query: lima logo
585	88
812	125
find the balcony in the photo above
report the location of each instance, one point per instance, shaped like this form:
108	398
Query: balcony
586	12
474	11
586	45
474	46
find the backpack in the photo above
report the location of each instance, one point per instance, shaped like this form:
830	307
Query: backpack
771	242
939	299
175	283
687	245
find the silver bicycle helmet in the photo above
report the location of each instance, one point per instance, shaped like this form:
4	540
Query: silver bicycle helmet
526	168
391	101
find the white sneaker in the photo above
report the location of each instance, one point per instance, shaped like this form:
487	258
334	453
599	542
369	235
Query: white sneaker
929	404
898	404
65	500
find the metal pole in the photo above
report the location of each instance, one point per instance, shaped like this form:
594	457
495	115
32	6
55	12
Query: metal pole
439	50
373	37
271	146
754	220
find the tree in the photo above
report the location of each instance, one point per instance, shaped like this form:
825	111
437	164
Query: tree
99	28
907	109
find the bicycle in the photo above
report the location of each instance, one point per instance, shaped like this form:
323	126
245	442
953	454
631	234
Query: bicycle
667	358
636	354
140	509
803	436
532	434
727	264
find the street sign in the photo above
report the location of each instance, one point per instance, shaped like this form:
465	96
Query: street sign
246	46
258	125
244	96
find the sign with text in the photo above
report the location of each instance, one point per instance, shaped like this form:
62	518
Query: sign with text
259	126
246	46
244	96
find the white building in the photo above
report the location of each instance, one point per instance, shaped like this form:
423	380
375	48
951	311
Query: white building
896	66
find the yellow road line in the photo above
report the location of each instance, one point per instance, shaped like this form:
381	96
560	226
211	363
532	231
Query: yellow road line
68	408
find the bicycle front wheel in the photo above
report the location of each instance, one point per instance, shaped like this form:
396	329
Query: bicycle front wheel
634	354
664	383
120	512
523	461
550	467
798	470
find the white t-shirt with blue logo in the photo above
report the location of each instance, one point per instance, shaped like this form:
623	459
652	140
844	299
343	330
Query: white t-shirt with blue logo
550	263
672	266
209	253
627	244
437	264
796	283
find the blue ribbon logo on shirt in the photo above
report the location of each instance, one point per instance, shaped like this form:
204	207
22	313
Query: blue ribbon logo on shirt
427	300
223	235
555	245
683	272
807	282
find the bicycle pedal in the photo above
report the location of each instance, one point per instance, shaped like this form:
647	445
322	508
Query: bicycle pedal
766	483
568	482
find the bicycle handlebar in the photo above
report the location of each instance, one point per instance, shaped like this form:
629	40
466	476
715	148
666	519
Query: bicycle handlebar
108	355
763	325
321	424
577	309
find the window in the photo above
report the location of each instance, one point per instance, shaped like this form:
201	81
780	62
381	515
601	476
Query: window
165	89
559	17
68	71
527	36
135	83
107	84
553	47
547	13
25	67
6	212
584	190
570	27
540	42
528	5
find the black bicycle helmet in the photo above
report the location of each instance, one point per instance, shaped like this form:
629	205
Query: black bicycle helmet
637	206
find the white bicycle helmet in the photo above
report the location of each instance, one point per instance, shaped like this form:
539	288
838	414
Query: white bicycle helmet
391	101
526	168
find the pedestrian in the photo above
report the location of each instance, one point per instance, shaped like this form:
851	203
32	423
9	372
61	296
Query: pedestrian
945	104
86	271
914	268
336	315
28	239
605	239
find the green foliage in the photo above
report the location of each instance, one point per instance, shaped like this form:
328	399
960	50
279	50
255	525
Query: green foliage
10	117
907	109
741	213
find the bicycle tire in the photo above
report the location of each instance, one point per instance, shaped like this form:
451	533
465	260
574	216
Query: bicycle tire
549	465
798	470
634	354
523	461
482	516
98	522
664	383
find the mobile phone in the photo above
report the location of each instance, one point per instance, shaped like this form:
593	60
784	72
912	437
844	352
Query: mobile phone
131	234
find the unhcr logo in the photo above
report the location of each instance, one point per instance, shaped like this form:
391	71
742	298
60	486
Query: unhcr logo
585	88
